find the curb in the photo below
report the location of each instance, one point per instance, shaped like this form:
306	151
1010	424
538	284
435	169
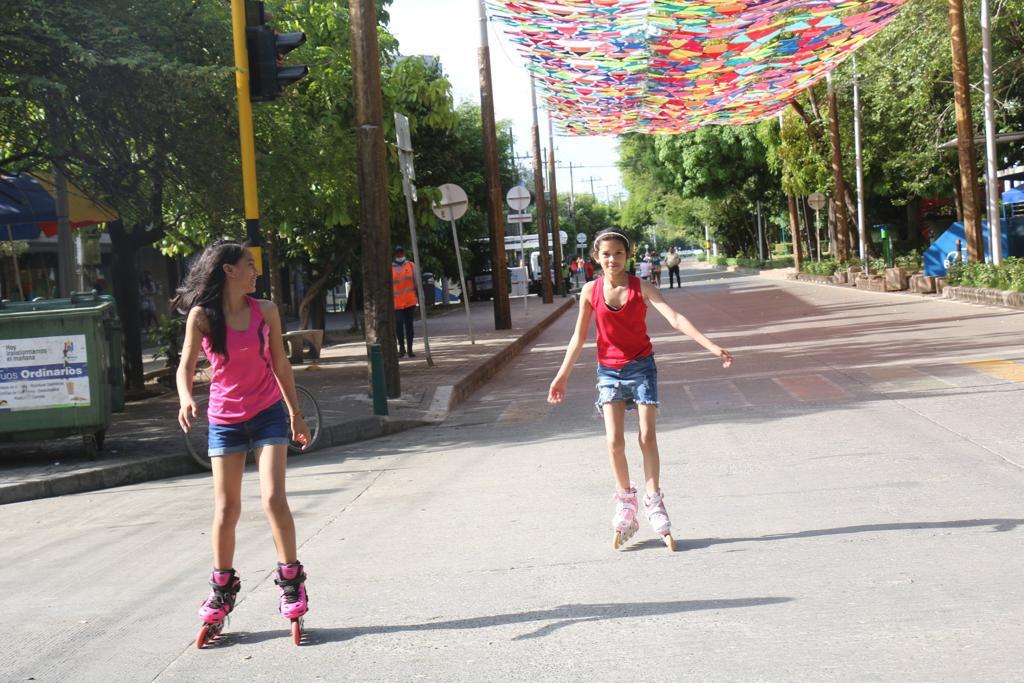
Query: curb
161	467
490	367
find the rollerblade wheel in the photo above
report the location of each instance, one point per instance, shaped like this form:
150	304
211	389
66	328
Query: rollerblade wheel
208	633
297	631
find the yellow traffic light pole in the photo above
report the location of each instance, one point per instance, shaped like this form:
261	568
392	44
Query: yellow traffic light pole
245	130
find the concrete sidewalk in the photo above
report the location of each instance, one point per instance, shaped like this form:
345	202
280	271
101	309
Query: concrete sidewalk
145	442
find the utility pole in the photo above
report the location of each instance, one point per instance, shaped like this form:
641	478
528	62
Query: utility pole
995	228
965	132
556	247
542	218
839	196
373	206
495	212
591	179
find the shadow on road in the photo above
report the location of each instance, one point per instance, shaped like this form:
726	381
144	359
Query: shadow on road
998	525
562	616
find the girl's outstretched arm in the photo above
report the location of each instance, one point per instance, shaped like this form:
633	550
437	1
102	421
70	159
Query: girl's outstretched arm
283	373
194	331
680	323
556	392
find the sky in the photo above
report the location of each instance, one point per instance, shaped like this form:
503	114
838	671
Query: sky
450	29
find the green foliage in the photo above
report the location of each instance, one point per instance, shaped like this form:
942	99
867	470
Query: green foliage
1009	275
168	337
877	265
911	261
823	267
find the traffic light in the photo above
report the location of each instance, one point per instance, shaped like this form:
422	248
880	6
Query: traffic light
268	76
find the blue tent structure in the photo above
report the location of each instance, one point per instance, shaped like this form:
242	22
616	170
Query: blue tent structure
942	252
24	204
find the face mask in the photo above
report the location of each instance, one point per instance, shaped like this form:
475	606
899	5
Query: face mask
399	259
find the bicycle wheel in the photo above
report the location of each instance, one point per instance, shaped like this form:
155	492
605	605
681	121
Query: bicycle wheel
195	437
310	409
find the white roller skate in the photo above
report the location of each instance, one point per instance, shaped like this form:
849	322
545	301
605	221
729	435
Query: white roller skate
624	521
654	507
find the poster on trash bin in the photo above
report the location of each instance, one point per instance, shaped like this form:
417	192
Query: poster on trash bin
43	372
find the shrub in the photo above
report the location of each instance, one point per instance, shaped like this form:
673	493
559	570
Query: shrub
910	261
825	267
719	260
703	256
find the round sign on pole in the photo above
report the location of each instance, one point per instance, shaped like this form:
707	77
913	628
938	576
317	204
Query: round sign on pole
581	238
453	204
816	200
518	198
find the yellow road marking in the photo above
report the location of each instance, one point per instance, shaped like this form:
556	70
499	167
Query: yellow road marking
1004	369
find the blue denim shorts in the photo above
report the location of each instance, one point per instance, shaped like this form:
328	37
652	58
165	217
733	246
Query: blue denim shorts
635	383
269	427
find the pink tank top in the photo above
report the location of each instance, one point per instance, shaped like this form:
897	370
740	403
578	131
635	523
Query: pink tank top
243	384
621	334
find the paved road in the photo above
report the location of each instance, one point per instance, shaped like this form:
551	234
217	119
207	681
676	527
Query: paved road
847	497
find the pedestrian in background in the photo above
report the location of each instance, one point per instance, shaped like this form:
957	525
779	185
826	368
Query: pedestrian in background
655	268
403	282
672	261
644	268
627	377
253	405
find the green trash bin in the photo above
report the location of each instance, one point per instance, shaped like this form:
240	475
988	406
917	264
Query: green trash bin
60	369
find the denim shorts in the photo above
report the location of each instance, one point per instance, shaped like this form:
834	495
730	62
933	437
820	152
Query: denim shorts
635	383
269	427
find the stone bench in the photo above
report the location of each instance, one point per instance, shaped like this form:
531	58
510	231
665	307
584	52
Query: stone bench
296	340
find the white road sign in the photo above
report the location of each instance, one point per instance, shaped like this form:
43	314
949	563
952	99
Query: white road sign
453	204
518	197
520	217
581	238
816	200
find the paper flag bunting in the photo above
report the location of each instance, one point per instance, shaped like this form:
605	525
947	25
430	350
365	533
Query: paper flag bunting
607	67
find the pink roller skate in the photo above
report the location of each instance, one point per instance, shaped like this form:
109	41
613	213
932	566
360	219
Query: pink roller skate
624	520
294	602
215	609
654	507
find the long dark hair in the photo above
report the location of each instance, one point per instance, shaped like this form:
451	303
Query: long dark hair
204	287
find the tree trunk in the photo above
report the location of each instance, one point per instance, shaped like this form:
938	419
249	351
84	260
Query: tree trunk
841	248
314	289
125	287
965	133
274	267
794	231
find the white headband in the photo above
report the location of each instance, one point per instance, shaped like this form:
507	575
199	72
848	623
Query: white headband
605	235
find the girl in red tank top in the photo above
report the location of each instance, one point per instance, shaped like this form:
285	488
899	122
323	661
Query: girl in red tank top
252	406
627	377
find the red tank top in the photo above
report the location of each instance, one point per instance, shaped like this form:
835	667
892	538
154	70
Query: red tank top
621	334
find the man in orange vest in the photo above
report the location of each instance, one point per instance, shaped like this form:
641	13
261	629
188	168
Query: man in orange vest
403	284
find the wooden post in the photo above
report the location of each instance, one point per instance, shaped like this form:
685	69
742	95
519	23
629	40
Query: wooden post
965	133
495	201
373	205
556	247
542	217
841	249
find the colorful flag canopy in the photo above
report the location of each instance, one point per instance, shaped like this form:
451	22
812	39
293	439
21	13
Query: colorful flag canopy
608	67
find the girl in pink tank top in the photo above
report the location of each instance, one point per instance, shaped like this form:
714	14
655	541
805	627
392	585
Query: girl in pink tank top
253	405
627	377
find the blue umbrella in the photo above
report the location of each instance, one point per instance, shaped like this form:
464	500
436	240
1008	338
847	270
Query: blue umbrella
24	204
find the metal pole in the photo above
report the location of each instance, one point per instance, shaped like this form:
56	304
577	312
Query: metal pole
418	276
542	217
861	220
995	234
495	212
17	268
246	136
462	282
